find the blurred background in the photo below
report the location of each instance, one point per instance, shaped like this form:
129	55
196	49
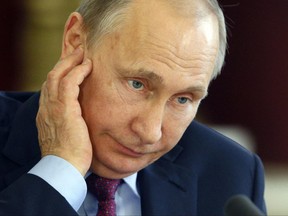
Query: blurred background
248	102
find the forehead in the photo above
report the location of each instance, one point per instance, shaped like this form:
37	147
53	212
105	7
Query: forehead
156	29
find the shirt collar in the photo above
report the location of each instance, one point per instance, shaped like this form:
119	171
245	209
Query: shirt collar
131	181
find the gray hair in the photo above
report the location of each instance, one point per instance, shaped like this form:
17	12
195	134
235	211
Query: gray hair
102	17
222	36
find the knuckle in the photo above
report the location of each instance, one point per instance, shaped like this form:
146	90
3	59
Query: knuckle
44	85
37	118
51	76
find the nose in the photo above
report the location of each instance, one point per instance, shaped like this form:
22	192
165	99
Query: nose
148	124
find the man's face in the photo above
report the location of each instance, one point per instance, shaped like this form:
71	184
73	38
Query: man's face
145	88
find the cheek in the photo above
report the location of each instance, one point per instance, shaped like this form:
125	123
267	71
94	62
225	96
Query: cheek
103	104
93	103
175	124
125	95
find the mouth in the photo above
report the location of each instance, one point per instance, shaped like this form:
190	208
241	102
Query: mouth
129	152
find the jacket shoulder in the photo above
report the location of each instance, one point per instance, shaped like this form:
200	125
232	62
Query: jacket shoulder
206	139
224	167
213	155
9	104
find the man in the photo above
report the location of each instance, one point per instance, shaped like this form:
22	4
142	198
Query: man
120	103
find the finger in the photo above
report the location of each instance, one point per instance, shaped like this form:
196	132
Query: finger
42	102
43	98
69	85
61	69
43	94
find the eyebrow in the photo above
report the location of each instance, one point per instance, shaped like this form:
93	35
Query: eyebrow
199	89
146	74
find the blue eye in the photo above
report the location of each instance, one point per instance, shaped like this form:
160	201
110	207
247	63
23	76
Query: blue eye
182	100
136	84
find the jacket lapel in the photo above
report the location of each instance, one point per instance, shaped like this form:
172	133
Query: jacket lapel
166	187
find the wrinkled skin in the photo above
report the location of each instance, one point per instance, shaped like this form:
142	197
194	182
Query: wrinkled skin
132	101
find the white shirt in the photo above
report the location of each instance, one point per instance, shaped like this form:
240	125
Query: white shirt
68	181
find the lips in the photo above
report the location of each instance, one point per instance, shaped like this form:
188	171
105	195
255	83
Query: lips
129	152
139	149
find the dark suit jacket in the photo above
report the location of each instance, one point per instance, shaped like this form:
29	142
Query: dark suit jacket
195	178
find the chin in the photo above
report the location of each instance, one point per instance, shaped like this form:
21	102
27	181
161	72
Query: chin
119	168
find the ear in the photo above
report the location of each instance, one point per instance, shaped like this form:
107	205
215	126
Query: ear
74	35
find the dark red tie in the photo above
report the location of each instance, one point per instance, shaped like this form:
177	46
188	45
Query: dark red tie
104	189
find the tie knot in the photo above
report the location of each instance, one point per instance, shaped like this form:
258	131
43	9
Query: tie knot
103	188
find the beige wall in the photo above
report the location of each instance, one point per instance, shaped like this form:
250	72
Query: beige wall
42	38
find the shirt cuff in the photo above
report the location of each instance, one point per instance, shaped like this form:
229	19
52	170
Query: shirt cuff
63	177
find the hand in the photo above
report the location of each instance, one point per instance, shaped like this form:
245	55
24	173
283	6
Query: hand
62	130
